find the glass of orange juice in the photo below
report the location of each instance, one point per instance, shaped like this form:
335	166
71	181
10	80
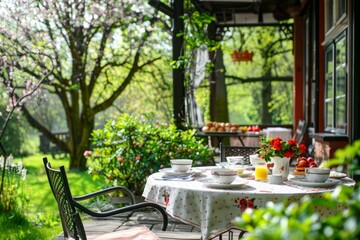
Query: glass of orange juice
261	172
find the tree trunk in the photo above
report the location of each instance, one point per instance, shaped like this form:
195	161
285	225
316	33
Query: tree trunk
266	91
266	98
81	131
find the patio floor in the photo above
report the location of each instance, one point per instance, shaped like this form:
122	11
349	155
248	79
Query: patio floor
151	219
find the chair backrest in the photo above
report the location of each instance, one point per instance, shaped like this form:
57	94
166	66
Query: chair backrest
300	131
70	218
227	151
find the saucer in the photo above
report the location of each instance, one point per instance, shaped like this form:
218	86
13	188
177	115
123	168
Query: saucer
337	175
304	182
210	183
170	172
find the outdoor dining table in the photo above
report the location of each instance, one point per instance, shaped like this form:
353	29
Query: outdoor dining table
214	209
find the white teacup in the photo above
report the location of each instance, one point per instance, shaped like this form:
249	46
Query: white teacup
255	159
223	175
181	165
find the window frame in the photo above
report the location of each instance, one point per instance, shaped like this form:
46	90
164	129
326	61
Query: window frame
332	46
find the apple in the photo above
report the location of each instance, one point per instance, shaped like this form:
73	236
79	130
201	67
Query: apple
302	163
205	129
312	165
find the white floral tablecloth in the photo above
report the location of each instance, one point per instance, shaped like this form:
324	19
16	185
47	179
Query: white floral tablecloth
213	210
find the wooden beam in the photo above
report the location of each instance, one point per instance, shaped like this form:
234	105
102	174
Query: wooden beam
261	79
162	7
178	73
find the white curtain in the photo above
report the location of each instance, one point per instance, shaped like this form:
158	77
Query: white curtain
197	75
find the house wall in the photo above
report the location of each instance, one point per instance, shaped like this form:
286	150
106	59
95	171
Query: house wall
309	75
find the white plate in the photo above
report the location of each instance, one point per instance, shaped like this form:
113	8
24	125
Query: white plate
245	174
304	182
210	183
338	175
170	172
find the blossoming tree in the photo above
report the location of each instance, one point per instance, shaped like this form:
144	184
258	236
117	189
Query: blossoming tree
98	48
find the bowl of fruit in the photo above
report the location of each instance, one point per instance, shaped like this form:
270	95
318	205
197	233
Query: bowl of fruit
302	163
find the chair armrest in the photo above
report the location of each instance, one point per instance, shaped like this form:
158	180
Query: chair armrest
107	190
126	209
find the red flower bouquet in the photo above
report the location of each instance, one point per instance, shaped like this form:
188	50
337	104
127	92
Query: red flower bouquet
272	147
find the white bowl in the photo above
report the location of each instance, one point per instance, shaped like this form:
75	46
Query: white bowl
255	160
181	165
223	175
235	160
319	175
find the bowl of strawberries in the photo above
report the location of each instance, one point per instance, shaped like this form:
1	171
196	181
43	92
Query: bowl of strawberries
302	163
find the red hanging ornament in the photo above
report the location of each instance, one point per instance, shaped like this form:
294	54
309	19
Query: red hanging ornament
242	56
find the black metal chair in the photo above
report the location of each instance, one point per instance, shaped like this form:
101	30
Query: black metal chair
228	151
69	205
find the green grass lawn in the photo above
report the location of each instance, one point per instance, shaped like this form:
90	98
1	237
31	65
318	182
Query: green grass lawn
42	209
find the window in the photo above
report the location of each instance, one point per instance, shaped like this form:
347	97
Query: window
336	85
335	102
335	12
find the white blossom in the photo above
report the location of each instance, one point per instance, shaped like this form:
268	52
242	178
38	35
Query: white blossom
10	159
23	174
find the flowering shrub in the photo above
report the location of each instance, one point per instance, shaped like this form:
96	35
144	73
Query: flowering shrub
128	150
12	196
271	147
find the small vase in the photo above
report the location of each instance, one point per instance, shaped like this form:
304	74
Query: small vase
281	166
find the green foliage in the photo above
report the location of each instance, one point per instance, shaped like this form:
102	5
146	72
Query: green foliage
13	197
246	80
302	221
16	135
195	36
41	219
348	155
15	226
46	219
128	150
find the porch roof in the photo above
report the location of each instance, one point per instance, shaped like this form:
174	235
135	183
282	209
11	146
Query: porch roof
249	12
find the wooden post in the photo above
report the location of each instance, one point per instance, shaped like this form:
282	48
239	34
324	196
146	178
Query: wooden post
178	74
